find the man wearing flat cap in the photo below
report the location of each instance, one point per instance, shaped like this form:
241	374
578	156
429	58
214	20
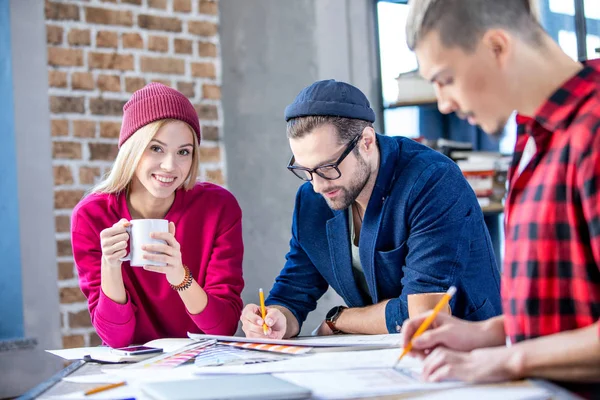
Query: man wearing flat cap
379	218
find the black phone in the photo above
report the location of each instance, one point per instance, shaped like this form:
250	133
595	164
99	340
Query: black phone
136	350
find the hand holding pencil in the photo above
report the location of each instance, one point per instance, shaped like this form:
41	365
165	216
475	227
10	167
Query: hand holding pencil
424	325
259	321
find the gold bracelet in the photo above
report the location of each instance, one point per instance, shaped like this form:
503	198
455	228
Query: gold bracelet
187	281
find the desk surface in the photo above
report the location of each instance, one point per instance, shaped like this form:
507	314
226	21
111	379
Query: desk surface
63	388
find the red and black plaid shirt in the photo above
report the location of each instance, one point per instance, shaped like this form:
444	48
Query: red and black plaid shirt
551	279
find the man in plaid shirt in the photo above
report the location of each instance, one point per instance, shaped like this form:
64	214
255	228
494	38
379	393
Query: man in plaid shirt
485	59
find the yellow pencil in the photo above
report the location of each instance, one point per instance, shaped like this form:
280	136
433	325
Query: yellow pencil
102	388
441	304
263	310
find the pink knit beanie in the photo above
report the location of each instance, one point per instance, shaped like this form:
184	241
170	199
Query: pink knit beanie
153	102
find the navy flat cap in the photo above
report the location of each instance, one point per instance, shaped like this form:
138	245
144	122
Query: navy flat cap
330	97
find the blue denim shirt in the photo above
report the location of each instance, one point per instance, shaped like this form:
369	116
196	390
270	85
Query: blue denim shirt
422	231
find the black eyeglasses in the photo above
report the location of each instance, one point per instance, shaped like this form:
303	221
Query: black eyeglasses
326	171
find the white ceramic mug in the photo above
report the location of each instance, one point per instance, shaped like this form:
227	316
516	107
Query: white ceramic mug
139	234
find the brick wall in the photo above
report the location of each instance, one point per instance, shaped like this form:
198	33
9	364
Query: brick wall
99	52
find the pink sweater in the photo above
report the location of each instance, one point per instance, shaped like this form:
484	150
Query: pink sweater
208	223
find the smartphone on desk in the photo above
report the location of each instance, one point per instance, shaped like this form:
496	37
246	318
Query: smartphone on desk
136	350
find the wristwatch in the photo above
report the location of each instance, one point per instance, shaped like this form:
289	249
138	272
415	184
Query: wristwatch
332	316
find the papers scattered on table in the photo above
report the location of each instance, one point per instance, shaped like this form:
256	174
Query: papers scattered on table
97	353
175	358
366	341
361	382
103	353
220	355
336	361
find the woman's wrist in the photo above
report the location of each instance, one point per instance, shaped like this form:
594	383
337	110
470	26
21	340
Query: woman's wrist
182	279
176	275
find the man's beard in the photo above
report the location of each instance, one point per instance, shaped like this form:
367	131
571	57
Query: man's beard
348	195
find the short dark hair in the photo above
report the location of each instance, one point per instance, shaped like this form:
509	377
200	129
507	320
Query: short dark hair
346	128
461	23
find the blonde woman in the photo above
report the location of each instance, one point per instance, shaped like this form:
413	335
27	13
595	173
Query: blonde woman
154	177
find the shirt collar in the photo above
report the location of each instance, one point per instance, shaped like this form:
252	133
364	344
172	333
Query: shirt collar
557	112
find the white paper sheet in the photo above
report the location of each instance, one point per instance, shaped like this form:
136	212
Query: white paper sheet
93	378
490	393
388	340
104	353
151	374
97	353
337	361
361	383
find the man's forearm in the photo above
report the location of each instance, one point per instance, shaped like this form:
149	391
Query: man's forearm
365	320
292	325
566	356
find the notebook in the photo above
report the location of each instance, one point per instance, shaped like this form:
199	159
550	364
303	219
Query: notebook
231	387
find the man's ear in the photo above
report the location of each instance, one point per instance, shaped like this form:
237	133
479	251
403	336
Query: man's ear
369	139
499	43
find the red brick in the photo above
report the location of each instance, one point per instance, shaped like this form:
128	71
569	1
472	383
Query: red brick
103	151
166	82
65	104
158	43
152	22
80	319
57	79
107	39
58	11
79	37
54	34
71	295
65	270
187	88
109	83
163	65
182	5
96	15
110	61
136	2
82	81
183	46
210	154
215	176
110	129
63	224
132	84
62	175
132	41
99	106
208	7
66	150
72	341
202	28
210	133
67	199
207	112
58	56
63	248
207	49
212	92
204	70
88	175
162	4
59	127
84	129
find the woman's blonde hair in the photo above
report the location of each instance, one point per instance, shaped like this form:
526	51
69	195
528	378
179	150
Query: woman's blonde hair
121	174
